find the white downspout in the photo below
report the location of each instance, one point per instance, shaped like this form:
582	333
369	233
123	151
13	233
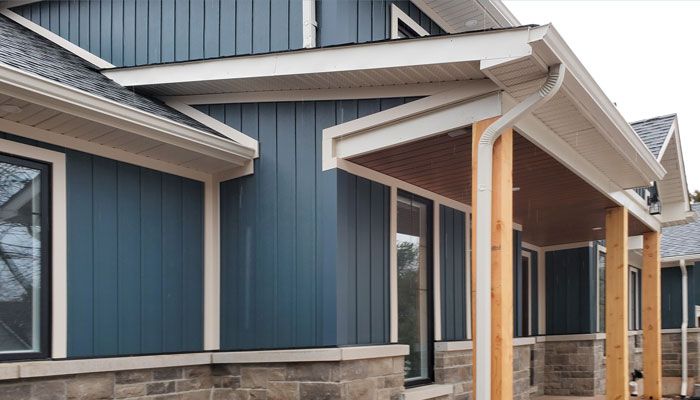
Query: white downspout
309	23
684	330
484	184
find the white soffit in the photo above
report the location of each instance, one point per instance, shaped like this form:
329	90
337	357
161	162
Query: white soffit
456	16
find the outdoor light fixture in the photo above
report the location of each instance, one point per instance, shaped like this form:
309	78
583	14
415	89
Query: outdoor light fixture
653	200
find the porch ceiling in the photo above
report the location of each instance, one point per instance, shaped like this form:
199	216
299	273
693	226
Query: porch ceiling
553	204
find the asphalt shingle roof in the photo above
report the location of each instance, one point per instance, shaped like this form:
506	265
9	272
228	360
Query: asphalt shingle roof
654	131
30	52
682	240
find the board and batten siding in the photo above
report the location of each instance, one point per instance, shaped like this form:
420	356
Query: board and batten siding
135	258
359	21
671	292
570	291
281	280
453	267
363	260
139	32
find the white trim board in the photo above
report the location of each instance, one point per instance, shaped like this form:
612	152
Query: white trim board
59	233
56	39
397	15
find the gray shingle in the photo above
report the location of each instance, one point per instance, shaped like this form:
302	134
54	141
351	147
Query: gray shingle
654	131
30	52
682	240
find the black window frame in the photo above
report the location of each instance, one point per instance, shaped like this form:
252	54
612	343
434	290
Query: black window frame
45	316
429	207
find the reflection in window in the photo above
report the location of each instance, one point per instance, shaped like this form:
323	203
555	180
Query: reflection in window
414	285
22	231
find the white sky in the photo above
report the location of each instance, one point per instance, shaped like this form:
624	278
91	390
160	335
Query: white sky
645	55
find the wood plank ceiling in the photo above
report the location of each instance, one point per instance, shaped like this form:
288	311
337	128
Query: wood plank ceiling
554	205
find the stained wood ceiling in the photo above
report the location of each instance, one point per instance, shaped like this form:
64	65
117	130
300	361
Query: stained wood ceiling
553	204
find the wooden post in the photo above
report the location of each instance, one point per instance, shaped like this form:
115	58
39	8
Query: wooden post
501	262
651	316
616	313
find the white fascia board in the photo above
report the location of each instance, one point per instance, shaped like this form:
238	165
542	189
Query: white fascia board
54	95
667	140
675	133
592	102
371	92
676	213
686	257
465	47
541	135
215	124
56	39
410	122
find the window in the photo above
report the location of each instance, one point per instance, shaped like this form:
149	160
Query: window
635	298
414	264
24	258
524	295
403	26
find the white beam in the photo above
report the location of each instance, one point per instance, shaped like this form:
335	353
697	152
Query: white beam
362	57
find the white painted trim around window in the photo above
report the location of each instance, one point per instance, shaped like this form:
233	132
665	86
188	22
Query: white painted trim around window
397	15
212	266
56	39
393	267
59	253
437	304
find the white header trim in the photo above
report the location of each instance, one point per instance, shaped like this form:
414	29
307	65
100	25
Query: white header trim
398	15
59	246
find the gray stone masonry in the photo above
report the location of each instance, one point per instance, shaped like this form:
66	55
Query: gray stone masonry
573	368
455	368
671	354
635	352
523	368
372	379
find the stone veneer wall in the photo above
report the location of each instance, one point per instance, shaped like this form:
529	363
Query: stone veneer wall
574	368
635	352
671	354
522	364
372	379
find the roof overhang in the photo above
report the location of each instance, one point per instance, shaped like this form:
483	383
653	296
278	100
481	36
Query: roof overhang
673	189
516	59
456	16
224	153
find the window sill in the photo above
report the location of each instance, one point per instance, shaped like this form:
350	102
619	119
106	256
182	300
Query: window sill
427	392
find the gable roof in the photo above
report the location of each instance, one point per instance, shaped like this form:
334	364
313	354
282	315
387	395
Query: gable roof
27	51
682	240
654	131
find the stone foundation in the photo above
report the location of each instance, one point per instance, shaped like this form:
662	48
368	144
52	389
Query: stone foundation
528	371
671	354
453	366
372	379
574	368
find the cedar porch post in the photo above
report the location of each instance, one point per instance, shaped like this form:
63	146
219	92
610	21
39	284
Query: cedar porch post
651	315
616	313
501	262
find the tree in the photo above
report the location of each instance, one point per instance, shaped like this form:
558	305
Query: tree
694	196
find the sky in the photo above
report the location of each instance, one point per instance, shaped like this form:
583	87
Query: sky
645	55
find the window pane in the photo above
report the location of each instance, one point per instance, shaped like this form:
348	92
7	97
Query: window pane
20	256
413	285
601	291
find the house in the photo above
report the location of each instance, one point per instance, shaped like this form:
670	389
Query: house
306	200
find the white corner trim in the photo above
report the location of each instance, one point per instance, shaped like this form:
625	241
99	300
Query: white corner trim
310	355
309	24
427	392
216	125
393	267
36	89
59	249
56	39
212	266
461	345
437	304
398	15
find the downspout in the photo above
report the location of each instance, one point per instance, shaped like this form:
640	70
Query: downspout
684	330
309	23
484	184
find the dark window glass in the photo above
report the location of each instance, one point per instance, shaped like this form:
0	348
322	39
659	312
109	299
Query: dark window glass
415	285
601	291
406	32
23	258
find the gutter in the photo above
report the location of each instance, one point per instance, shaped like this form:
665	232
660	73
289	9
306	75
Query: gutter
684	330
484	197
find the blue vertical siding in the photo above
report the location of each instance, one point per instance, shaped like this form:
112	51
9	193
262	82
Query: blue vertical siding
518	281
358	21
138	32
284	270
363	260
135	258
570	276
671	289
453	267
